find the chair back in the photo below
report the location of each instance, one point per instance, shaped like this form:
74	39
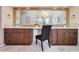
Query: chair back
46	32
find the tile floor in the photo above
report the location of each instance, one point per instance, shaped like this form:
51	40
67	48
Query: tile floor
37	48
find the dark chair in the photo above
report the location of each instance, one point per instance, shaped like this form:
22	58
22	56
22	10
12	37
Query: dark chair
45	34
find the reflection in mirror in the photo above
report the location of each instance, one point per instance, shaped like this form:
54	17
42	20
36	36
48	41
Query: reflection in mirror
41	17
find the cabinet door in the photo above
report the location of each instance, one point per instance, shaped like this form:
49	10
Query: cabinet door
28	36
7	37
15	37
67	37
61	35
11	37
74	37
19	38
71	36
53	37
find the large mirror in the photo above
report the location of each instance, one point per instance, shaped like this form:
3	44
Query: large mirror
41	17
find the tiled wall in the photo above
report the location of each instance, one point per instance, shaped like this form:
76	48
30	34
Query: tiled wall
74	16
0	17
1	30
7	16
1	37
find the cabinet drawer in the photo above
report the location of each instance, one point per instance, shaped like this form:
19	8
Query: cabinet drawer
13	30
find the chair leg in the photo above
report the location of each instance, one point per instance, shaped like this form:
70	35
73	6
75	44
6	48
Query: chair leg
49	44
36	41
42	46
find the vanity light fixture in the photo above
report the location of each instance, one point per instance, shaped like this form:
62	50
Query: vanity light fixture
8	16
73	16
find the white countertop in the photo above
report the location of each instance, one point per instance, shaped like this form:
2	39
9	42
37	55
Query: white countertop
41	27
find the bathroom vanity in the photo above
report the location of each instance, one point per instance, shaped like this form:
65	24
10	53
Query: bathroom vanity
64	36
24	35
18	36
23	29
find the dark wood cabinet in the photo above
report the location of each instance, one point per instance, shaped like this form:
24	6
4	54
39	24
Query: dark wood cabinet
18	36
53	36
64	37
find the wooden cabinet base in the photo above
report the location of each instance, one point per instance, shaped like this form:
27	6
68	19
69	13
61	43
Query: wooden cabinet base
17	36
64	36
